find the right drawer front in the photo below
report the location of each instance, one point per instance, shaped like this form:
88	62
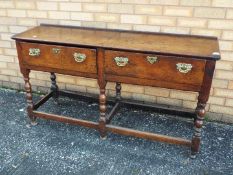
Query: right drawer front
43	55
155	67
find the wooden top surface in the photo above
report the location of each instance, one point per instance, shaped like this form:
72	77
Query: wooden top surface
172	44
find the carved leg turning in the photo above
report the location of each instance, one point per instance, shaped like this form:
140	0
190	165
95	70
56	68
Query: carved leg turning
118	91
54	87
102	119
28	90
200	112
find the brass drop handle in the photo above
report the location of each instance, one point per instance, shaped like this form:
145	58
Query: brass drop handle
34	52
79	57
184	67
152	59
121	61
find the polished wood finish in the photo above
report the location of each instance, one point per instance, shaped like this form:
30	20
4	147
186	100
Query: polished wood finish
62	60
148	135
200	109
102	96
99	50
194	46
163	68
28	89
46	57
89	64
65	119
156	83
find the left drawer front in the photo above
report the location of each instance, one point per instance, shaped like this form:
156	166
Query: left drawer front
60	57
41	55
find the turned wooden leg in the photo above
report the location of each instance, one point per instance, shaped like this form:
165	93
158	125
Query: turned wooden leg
118	91
200	109
102	119
54	87
200	112
102	97
28	90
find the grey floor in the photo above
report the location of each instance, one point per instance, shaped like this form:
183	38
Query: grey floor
52	148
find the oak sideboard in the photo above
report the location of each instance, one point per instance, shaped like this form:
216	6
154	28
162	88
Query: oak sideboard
172	61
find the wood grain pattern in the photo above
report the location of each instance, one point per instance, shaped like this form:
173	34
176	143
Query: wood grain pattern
65	119
63	60
124	40
46	57
102	96
100	47
164	69
69	63
28	89
148	135
155	83
200	109
60	70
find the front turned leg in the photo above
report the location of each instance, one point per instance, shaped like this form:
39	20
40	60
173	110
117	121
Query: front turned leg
102	119
28	90
200	112
118	92
54	87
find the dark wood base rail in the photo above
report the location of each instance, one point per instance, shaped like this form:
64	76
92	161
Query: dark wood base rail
148	135
172	61
43	100
111	128
65	119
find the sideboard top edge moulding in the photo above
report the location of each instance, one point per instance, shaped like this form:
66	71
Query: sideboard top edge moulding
203	47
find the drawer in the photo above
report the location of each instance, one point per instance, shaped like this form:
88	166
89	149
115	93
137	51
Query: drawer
155	67
79	59
61	57
40	55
